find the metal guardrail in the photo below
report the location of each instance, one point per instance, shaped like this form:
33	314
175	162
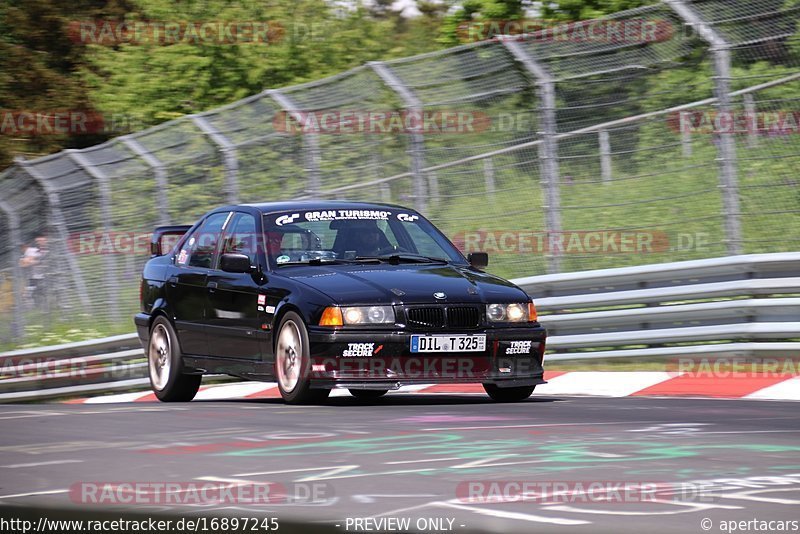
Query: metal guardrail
661	310
682	309
87	367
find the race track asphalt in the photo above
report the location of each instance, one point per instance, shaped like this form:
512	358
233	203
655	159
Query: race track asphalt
443	463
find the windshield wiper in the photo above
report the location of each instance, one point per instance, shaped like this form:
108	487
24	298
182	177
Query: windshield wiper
318	261
404	257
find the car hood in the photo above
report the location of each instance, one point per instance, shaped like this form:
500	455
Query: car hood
404	284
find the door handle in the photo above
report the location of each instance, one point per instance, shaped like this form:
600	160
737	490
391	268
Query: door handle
212	286
173	281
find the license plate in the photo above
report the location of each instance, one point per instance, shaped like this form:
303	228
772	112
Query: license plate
444	343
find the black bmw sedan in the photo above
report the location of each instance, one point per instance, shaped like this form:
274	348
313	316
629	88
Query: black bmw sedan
322	295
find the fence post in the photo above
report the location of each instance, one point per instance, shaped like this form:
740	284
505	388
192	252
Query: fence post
413	106
313	154
752	120
685	125
549	147
18	320
605	156
59	224
229	157
727	142
104	190
159	172
488	177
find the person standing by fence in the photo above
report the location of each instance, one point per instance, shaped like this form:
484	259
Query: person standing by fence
33	265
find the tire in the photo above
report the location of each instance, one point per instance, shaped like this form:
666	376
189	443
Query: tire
515	394
165	365
292	362
368	394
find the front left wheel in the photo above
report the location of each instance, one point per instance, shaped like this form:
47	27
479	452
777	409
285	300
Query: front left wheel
293	363
165	365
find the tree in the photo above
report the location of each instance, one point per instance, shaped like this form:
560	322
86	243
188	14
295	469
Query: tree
39	63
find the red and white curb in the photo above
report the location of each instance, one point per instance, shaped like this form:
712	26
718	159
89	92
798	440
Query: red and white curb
600	383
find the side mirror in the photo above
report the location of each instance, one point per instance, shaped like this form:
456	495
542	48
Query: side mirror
479	260
235	263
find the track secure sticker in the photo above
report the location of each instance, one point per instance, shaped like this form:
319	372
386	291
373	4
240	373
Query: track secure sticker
519	347
358	350
262	299
182	257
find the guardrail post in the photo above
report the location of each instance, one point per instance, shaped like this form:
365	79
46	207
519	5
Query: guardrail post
549	147
313	154
18	319
104	190
727	142
413	106
60	226
228	151
159	172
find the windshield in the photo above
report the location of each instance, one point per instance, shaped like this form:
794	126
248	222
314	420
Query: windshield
349	235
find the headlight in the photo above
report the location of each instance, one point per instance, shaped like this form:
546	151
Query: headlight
518	312
368	315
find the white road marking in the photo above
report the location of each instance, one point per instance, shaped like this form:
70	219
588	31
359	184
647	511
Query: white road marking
513	515
371	498
608	384
37	464
232	391
422	461
480	462
30	413
786	390
32	493
331	470
121	397
545	425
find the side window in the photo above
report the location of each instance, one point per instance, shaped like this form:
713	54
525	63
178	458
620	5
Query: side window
199	249
240	237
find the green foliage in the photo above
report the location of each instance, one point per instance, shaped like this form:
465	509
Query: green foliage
569	10
145	83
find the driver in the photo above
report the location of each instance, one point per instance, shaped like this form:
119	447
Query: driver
368	239
274	241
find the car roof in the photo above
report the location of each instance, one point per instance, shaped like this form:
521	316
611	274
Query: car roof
317	205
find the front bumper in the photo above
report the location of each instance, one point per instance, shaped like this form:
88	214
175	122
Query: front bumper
367	359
